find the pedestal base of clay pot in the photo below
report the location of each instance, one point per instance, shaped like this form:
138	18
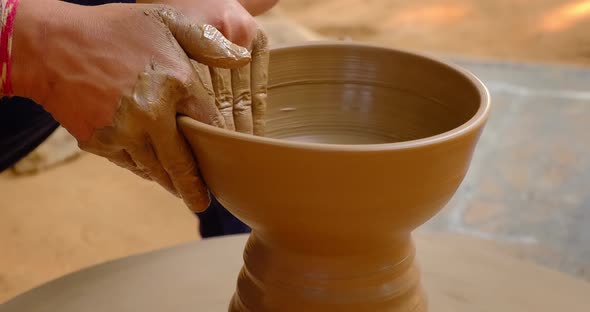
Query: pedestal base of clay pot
280	277
459	274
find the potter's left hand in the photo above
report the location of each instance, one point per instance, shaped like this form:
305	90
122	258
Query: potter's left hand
240	94
233	18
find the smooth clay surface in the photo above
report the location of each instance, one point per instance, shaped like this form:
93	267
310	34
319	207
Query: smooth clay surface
460	275
331	210
344	96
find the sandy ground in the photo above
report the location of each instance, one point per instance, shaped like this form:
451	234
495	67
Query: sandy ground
556	31
79	214
89	211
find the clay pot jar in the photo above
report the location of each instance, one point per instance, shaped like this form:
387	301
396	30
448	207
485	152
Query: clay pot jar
363	145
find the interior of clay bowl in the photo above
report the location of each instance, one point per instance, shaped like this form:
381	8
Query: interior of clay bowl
355	94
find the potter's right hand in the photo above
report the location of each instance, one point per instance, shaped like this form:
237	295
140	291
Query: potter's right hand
115	76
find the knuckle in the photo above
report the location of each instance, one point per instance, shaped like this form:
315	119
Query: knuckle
165	8
219	122
165	13
242	101
246	111
238	28
224	101
247	30
148	168
224	104
226	108
181	171
183	74
260	96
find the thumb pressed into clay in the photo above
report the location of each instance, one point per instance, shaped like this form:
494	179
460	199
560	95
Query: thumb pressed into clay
204	43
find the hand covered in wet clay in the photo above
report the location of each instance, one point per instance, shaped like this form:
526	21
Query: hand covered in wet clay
233	18
116	76
242	110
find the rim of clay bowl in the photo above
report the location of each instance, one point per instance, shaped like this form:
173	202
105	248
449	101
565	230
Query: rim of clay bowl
470	125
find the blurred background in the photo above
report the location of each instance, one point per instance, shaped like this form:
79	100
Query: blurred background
554	31
86	211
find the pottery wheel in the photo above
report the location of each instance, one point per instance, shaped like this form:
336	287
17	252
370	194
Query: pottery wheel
460	274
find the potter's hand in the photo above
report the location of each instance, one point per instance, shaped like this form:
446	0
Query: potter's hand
85	72
240	94
232	17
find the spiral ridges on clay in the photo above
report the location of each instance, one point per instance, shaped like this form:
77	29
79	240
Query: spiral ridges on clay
274	279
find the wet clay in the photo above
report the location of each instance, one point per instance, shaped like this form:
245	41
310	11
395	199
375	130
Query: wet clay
240	94
208	45
349	100
387	139
144	138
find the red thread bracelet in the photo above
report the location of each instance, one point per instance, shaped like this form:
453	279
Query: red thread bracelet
8	12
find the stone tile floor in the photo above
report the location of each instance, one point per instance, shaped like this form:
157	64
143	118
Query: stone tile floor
529	184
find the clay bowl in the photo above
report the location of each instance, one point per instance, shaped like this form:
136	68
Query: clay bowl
363	145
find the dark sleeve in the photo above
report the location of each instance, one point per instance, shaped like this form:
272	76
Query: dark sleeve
24	125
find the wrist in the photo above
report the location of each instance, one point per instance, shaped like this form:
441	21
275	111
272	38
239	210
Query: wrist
33	25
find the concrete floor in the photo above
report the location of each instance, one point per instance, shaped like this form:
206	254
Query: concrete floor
532	164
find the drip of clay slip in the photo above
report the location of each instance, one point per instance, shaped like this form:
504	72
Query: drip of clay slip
363	145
